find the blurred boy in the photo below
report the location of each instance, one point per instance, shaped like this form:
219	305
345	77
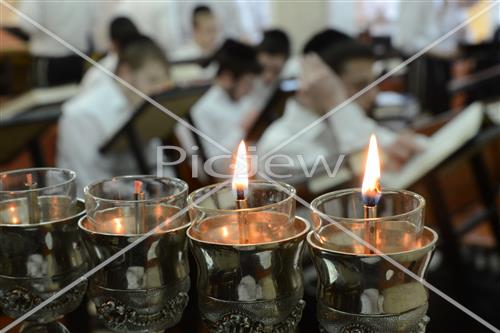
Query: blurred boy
318	42
272	54
326	81
92	118
223	113
205	31
121	31
53	63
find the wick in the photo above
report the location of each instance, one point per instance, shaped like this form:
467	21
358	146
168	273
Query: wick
33	207
370	212
29	180
242	203
240	194
140	209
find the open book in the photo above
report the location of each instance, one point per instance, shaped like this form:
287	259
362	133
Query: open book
441	145
37	97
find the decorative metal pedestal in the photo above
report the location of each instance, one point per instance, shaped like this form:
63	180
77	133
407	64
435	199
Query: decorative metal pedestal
331	320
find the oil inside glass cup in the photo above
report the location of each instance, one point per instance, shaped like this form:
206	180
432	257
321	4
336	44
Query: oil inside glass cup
261	227
51	208
385	236
123	220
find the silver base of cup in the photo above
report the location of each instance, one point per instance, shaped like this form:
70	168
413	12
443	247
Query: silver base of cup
140	310
334	321
53	327
276	316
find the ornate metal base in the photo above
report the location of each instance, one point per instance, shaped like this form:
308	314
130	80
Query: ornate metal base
334	321
16	300
141	310
258	317
54	327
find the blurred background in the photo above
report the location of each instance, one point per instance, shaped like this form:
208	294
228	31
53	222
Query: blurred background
56	107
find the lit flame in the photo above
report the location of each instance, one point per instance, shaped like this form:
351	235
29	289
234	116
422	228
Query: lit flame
15	219
225	232
118	225
371	189
240	178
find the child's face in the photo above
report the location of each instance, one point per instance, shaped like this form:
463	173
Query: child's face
272	65
206	32
151	78
357	74
242	86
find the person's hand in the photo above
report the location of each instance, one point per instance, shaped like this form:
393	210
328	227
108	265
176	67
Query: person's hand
319	87
403	149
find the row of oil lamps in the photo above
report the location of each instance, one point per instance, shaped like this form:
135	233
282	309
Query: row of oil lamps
130	236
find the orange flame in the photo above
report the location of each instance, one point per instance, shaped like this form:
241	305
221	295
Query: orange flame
371	189
240	178
118	225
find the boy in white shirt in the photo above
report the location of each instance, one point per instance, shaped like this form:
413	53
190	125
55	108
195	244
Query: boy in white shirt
326	81
90	119
272	53
205	30
53	63
121	31
223	113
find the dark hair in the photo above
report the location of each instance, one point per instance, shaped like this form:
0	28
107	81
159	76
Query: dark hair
141	50
275	42
336	57
122	30
198	11
237	58
324	40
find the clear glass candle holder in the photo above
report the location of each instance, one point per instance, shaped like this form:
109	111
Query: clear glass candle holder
249	259
41	249
358	289
38	195
146	289
131	205
397	227
269	216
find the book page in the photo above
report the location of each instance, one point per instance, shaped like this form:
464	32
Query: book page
37	97
440	146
